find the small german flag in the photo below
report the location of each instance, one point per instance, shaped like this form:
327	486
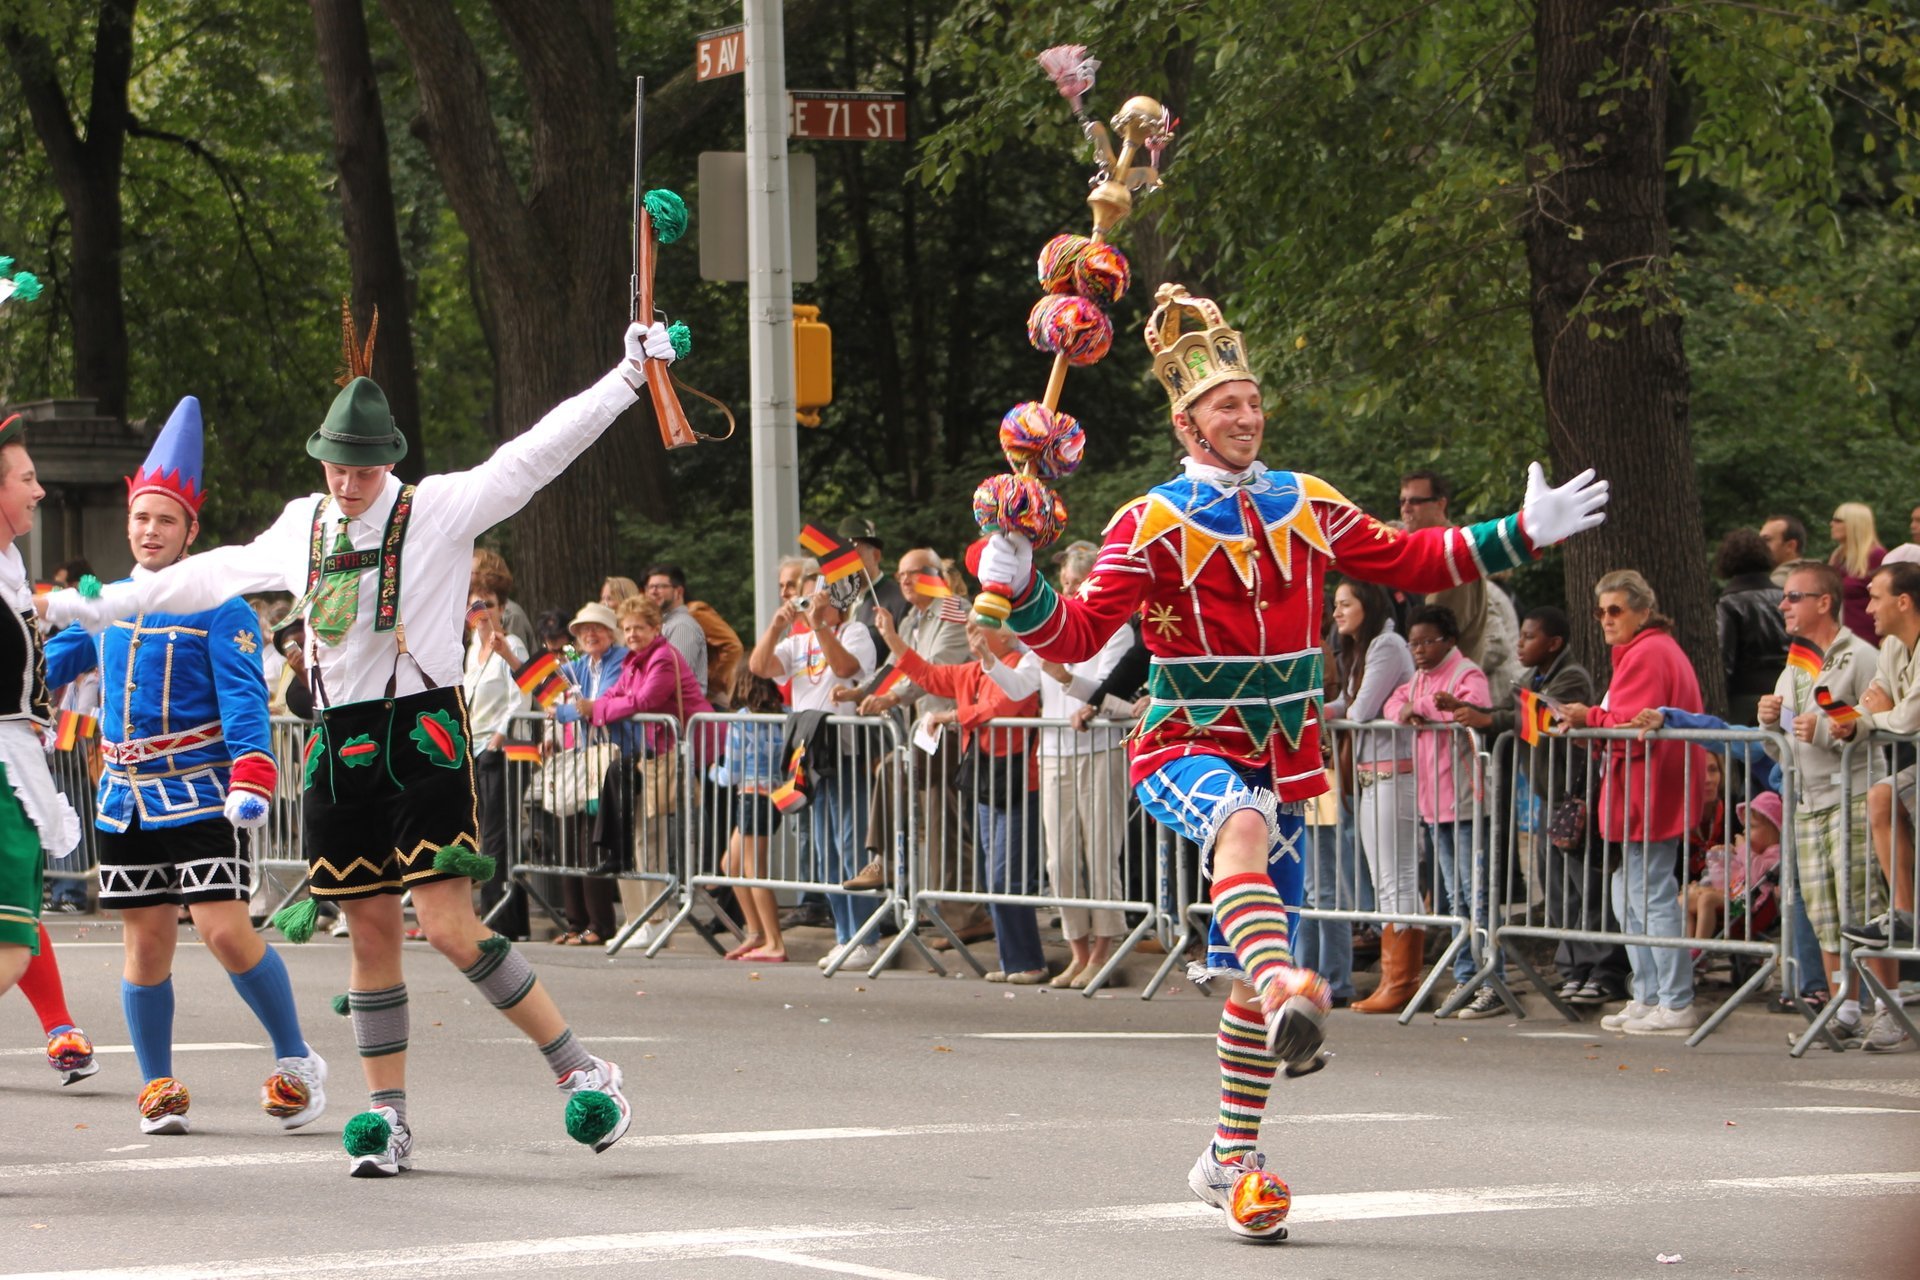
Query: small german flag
534	671
789	796
523	753
1535	718
843	563
931	584
1837	711
1804	656
75	727
816	542
890	679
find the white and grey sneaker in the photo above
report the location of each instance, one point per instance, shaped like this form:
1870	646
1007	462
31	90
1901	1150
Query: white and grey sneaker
295	1094
1662	1021
1618	1021
1850	1034
1486	1003
1886	1035
860	959
1212	1181
378	1144
589	1090
1446	1002
833	954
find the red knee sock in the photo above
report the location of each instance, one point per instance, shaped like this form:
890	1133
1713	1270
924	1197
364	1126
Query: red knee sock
41	984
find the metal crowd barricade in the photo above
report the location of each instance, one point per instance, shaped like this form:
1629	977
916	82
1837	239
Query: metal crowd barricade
1882	860
856	797
73	777
1368	835
280	863
588	811
1557	878
1042	825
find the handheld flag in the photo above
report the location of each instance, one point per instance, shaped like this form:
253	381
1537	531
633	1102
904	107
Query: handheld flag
523	753
792	794
1804	656
75	727
843	563
951	609
1535	717
931	584
817	542
1837	711
890	679
542	680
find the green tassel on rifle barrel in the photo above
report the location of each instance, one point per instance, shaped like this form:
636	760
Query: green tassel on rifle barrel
26	286
682	339
455	861
296	922
669	214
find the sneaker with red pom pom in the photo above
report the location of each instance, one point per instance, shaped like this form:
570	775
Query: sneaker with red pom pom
296	1094
597	1112
1296	1003
163	1106
70	1053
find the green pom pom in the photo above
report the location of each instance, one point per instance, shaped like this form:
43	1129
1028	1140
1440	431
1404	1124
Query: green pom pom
455	861
669	214
89	587
342	1004
296	922
6	266
495	945
366	1134
591	1116
26	286
682	339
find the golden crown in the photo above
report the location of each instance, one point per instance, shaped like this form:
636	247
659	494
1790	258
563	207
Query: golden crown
1193	362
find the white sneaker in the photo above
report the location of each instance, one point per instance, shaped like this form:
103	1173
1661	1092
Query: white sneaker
1213	1182
832	955
1662	1021
339	929
1618	1021
295	1094
163	1106
1886	1035
861	958
381	1162
603	1078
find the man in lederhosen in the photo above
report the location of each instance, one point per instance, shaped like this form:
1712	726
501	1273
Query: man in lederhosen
381	570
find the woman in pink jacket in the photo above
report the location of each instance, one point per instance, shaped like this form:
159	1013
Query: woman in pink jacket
1649	798
654	680
1446	770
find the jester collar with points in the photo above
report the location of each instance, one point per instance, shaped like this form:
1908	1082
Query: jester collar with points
1197	518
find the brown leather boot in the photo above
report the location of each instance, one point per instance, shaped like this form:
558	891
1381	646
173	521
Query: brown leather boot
1401	953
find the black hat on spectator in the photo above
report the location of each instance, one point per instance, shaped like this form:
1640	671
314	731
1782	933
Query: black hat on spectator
860	529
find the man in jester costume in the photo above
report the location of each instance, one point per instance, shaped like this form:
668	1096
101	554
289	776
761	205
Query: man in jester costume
1227	565
380	570
189	770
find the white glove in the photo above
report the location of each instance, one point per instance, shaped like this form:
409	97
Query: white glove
648	343
245	809
1553	515
1008	560
68	607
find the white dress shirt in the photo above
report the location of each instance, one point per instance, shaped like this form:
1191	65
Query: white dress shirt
492	695
1060	701
449	512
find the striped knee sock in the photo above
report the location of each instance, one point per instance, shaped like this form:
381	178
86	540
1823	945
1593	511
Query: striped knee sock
1246	1077
379	1020
566	1055
1254	922
502	974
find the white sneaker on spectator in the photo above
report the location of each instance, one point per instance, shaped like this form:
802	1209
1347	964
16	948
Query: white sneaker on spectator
861	958
1618	1021
1886	1035
1486	1003
1662	1021
832	954
1850	1035
339	929
1446	1000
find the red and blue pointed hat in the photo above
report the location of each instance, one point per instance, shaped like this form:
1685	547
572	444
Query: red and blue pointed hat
173	464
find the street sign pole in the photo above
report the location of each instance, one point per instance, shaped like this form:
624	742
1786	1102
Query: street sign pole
775	443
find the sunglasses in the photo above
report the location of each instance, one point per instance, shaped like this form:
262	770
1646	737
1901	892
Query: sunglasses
1795	597
1417	502
1602	612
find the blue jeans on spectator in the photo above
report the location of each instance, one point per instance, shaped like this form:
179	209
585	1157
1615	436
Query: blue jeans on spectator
839	820
1453	844
1326	946
1806	951
1646	899
1008	839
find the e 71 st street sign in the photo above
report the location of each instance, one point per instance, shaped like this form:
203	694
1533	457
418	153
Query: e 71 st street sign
720	53
836	116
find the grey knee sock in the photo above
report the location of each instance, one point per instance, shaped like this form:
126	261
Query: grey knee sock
564	1054
395	1098
502	974
379	1020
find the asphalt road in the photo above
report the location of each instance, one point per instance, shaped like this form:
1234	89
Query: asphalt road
913	1127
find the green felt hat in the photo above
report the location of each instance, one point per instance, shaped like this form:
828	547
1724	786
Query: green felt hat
359	430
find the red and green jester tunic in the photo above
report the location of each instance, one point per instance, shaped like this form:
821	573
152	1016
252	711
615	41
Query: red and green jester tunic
1227	570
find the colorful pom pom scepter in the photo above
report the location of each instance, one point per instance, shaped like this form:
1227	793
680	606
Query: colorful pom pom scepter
1081	276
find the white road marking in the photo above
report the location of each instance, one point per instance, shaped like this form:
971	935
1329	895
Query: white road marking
1898	1088
1091	1035
211	1046
1588	1036
827	1264
131	1146
626	1249
1849	1111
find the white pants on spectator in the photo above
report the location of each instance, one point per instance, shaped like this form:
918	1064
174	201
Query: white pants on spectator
1390	837
1083	815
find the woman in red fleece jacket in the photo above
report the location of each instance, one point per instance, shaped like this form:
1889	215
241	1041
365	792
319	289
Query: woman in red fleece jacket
1649	798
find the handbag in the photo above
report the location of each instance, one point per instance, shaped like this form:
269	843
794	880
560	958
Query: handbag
569	781
1567	825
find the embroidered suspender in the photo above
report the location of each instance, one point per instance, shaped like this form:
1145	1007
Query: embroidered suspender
387	557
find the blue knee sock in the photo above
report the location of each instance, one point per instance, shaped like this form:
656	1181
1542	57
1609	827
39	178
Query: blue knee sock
149	1012
268	993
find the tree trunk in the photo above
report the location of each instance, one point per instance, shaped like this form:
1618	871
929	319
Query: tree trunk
87	172
379	274
553	260
1618	401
